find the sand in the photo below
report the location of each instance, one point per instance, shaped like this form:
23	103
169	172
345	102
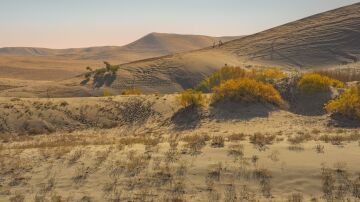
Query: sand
158	152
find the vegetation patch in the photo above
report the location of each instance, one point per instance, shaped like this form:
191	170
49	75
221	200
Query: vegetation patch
248	91
347	104
314	83
268	75
191	98
131	91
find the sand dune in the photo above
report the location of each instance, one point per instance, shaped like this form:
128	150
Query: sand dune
329	39
324	40
54	64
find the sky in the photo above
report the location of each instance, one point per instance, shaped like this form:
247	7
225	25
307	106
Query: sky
85	23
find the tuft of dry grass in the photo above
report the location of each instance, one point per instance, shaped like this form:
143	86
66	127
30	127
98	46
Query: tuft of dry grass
195	143
261	140
217	141
75	156
237	137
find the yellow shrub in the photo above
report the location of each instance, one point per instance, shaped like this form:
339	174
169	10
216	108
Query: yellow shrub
228	73
267	74
225	73
131	91
191	98
348	104
313	83
247	90
107	93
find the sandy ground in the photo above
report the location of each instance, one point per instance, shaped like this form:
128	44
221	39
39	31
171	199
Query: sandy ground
155	151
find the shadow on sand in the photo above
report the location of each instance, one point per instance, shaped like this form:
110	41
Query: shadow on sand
239	111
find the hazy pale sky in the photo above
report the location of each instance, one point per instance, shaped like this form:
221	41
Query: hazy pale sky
84	23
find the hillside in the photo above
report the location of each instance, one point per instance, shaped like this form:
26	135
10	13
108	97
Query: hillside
41	63
323	40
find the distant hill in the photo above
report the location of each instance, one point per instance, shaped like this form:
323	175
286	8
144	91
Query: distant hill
324	40
18	62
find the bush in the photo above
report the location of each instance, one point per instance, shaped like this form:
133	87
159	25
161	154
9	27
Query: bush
247	90
313	83
225	73
348	104
268	75
106	93
131	91
191	98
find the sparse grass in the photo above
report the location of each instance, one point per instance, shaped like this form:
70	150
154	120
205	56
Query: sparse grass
217	141
237	137
296	197
344	74
195	143
75	156
236	151
262	139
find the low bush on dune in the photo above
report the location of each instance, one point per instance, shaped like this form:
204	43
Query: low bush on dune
191	98
248	91
347	104
314	83
131	91
268	75
225	73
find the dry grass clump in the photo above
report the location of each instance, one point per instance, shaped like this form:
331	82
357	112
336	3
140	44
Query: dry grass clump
348	104
338	139
237	137
217	141
300	138
295	197
344	74
195	143
314	83
261	140
131	91
236	151
191	98
248	91
264	177
75	156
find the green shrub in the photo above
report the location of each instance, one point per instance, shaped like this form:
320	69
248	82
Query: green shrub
191	98
247	90
313	83
347	104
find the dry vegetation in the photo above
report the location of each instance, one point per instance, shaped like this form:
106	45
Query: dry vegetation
313	83
247	91
348	104
343	74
